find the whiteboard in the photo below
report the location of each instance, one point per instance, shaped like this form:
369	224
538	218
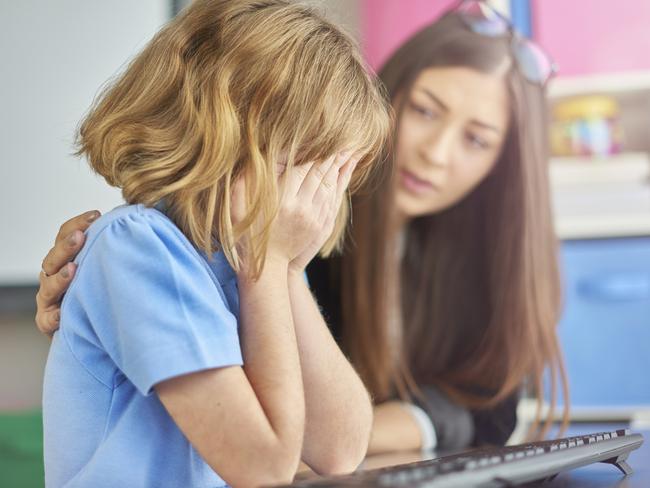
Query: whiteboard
55	57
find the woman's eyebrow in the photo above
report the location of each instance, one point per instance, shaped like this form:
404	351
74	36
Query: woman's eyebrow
485	125
434	98
445	108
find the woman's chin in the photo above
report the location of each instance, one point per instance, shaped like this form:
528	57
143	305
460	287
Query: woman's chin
411	206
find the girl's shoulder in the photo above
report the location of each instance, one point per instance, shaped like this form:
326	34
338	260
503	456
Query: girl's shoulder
140	249
132	216
135	227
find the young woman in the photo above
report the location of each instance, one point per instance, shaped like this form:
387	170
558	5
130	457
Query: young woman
190	350
447	295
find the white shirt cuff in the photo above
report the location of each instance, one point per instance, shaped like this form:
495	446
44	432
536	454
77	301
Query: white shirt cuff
427	431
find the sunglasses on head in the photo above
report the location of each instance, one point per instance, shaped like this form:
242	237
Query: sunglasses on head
533	62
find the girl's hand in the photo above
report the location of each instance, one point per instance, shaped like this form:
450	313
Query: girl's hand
311	196
337	180
57	270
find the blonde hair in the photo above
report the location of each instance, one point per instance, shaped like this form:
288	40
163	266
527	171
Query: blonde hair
227	88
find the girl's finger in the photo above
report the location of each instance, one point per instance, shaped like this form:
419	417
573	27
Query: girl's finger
315	179
330	208
295	176
326	191
344	177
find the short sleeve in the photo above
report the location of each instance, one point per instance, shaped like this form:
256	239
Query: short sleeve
153	303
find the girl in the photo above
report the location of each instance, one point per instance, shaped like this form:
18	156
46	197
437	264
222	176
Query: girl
190	352
447	297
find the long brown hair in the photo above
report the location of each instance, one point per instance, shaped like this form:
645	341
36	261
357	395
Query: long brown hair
480	289
227	87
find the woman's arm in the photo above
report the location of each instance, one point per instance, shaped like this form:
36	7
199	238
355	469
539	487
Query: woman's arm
434	419
394	429
248	423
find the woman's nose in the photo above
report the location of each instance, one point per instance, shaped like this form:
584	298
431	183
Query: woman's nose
437	148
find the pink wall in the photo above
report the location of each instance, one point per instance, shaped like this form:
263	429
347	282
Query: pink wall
385	24
594	36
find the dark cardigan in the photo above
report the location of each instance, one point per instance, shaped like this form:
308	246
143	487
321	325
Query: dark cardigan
456	427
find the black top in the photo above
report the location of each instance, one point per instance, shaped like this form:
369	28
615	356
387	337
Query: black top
455	426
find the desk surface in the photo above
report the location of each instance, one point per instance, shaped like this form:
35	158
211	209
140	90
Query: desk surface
596	475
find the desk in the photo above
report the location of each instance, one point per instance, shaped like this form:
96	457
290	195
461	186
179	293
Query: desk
596	475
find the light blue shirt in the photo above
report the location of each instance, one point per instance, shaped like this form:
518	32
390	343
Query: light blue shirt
144	306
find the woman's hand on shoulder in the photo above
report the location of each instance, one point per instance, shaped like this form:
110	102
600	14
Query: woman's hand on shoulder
57	270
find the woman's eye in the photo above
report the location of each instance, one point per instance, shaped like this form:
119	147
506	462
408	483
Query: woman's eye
477	142
423	111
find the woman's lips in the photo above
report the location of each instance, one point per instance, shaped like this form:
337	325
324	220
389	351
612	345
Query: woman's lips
414	184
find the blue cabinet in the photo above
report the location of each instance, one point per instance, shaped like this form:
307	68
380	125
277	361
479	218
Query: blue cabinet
605	328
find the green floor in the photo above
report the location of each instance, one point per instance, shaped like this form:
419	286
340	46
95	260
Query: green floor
21	450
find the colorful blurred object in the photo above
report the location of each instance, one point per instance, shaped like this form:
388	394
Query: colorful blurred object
586	126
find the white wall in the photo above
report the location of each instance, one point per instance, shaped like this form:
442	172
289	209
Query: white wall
55	55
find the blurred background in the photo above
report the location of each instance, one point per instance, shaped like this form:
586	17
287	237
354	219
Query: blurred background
57	54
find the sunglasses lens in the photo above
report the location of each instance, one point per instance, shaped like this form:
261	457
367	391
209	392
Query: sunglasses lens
482	19
533	62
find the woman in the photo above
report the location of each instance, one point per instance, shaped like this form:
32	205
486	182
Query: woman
447	295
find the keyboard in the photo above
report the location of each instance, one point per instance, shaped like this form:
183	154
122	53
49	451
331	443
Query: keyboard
498	466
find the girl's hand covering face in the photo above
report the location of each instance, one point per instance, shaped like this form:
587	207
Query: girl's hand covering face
334	185
312	194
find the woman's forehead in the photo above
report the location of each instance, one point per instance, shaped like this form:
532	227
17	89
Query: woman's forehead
466	92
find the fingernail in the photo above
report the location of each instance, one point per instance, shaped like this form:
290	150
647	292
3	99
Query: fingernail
93	216
73	239
65	272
